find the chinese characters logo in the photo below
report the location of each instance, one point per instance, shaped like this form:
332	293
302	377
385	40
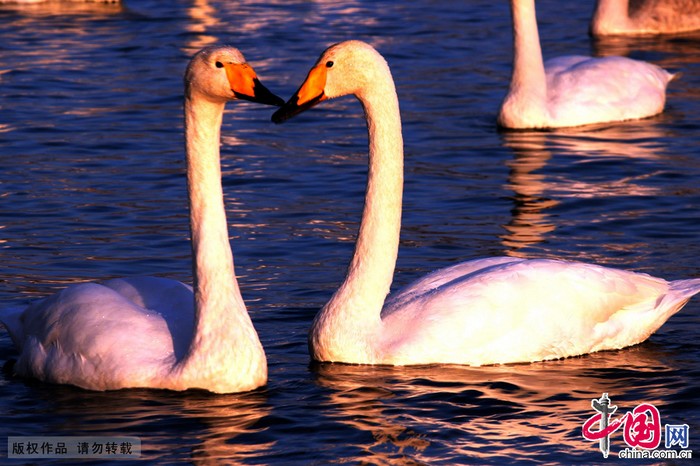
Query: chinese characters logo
641	431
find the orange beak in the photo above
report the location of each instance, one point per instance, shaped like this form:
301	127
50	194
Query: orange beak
245	85
309	94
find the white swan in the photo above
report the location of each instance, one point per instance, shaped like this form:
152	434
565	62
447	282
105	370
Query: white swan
644	17
154	332
574	90
485	311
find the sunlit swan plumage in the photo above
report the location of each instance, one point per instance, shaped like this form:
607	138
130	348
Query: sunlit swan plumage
485	311
644	17
155	332
574	90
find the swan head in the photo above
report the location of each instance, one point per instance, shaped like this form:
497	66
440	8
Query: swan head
221	73
350	67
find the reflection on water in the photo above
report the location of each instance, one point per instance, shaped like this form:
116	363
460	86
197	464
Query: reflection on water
536	192
677	45
529	223
208	427
61	7
224	420
202	19
444	413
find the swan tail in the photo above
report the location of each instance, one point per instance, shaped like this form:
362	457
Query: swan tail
678	294
683	290
675	76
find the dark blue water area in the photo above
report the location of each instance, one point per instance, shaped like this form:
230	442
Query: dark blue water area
92	186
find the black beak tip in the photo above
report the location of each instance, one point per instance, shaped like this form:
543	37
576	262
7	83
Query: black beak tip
286	111
265	99
264	96
292	108
279	116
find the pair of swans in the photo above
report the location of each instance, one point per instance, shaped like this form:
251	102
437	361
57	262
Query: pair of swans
153	332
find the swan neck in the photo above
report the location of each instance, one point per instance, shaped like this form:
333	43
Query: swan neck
525	104
610	16
376	250
353	314
222	323
528	65
211	252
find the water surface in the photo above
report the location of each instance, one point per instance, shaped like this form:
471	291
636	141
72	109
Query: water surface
92	186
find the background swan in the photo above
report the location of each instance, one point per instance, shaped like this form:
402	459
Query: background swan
485	311
644	17
574	90
154	332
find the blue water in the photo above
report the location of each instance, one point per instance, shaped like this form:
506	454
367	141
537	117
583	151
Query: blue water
92	186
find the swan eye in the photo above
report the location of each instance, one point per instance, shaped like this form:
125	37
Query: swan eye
219	64
329	64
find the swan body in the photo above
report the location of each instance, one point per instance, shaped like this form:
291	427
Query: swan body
574	90
644	17
156	332
484	311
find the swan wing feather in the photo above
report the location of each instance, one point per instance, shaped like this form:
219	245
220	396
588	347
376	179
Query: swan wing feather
523	311
95	337
584	88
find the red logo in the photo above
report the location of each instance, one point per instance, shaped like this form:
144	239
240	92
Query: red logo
642	425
